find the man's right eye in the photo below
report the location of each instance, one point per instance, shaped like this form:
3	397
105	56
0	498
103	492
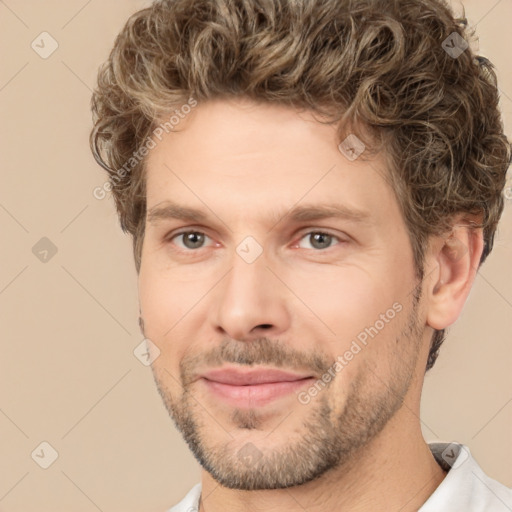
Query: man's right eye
190	240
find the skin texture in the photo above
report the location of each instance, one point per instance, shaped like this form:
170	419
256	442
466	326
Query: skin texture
299	306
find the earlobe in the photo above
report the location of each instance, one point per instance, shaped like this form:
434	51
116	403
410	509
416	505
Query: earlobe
454	263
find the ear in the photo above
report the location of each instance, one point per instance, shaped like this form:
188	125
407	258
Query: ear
453	261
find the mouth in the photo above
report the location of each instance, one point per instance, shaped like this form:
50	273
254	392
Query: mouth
253	388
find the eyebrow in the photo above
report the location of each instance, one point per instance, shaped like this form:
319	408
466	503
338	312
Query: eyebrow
170	210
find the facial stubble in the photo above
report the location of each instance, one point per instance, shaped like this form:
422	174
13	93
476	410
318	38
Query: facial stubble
327	439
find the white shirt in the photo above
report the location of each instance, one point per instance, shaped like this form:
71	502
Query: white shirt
465	488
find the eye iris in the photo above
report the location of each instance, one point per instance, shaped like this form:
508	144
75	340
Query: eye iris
195	239
323	238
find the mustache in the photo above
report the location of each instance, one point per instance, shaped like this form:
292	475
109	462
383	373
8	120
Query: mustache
261	351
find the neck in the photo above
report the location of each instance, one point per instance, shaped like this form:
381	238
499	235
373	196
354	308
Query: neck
395	471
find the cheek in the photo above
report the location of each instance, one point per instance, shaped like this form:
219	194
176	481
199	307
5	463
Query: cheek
164	300
344	301
171	305
361	313
164	303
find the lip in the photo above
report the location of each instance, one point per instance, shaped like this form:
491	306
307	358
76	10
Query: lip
237	377
253	388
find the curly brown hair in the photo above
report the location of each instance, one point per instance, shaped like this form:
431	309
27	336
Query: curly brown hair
377	68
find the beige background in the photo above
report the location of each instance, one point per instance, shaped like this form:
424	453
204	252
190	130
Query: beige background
69	326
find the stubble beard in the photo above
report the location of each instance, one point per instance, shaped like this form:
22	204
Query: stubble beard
325	441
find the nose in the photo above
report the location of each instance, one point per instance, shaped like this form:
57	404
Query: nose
250	301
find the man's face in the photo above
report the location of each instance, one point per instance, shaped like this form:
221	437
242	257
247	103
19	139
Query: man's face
332	301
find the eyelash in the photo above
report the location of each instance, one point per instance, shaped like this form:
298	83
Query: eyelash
304	234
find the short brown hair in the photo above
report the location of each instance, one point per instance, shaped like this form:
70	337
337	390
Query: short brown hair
378	68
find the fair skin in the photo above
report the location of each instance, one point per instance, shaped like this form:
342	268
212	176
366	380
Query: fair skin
356	445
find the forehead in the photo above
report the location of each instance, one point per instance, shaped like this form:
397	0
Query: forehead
242	155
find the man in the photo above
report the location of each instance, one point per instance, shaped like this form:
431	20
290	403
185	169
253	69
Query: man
311	188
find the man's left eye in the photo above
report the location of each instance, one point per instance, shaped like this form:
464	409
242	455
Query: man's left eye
319	239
